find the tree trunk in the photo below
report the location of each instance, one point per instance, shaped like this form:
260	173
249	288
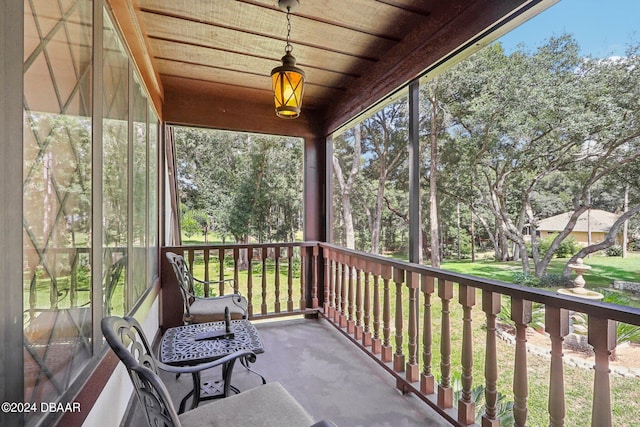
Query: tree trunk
473	235
346	187
458	229
625	226
608	241
503	242
541	267
535	253
350	237
243	261
492	236
377	217
426	247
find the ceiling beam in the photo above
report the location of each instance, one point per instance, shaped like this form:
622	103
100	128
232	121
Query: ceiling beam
220	106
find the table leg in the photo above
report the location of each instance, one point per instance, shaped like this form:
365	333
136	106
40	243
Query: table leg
196	390
244	362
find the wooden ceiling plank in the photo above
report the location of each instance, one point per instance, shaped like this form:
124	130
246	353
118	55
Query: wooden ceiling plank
161	27
180	52
204	73
368	47
364	16
260	23
421	7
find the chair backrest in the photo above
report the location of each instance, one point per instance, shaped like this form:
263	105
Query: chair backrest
184	278
126	338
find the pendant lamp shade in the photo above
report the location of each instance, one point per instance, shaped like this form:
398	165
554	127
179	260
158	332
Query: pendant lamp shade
288	87
288	80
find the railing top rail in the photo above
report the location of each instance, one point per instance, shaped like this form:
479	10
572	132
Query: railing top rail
305	244
596	308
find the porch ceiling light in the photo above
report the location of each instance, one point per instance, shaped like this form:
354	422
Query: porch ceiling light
288	80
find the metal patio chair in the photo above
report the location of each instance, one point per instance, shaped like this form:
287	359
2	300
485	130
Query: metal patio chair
200	309
126	337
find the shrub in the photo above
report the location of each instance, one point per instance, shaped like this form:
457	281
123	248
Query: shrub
627	333
525	279
568	247
615	250
614	296
551	280
504	407
555	280
543	245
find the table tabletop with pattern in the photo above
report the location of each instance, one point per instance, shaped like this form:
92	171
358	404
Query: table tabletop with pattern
179	345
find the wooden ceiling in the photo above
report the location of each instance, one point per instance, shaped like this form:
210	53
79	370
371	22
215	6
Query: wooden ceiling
213	58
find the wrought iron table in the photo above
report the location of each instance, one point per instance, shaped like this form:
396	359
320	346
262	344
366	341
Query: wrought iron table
183	345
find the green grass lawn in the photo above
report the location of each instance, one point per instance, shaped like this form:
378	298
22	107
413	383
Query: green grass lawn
604	269
289	293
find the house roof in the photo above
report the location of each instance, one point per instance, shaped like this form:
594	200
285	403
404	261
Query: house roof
593	219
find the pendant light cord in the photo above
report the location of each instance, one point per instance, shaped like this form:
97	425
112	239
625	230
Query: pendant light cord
288	48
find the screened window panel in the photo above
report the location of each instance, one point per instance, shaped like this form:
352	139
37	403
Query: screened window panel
140	190
115	177
57	188
154	207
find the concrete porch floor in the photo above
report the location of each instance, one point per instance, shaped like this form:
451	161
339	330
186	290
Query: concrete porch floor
328	375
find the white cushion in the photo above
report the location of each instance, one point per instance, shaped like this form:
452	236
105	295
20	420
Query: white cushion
212	310
269	405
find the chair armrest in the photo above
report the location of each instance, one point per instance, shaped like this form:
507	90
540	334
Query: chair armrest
202	366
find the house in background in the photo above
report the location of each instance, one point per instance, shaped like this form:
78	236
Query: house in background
592	226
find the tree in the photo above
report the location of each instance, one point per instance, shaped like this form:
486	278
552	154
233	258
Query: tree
346	183
434	124
513	137
194	221
249	186
385	148
207	165
611	149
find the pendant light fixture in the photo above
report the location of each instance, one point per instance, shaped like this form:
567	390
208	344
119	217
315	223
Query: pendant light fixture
288	80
